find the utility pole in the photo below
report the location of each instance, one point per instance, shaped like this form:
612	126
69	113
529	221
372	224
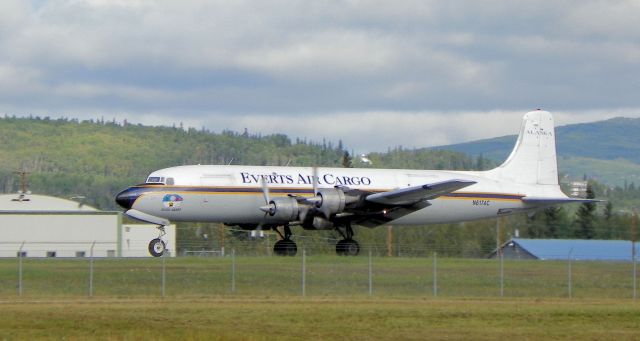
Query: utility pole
634	225
221	238
23	180
498	241
499	253
23	185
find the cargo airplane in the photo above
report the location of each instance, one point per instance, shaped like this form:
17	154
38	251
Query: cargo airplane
318	198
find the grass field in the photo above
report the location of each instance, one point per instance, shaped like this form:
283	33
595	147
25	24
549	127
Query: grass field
325	276
259	318
263	301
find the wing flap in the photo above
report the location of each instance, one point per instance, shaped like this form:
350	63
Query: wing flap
412	195
556	201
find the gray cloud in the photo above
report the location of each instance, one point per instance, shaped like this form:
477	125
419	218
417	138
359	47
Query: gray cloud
415	73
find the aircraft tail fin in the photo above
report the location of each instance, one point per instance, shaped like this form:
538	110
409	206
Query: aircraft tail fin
533	159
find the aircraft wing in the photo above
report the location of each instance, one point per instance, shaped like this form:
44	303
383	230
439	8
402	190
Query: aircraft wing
381	208
412	195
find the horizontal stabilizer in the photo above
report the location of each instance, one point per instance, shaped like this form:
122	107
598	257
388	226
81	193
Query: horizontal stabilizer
148	218
412	195
555	201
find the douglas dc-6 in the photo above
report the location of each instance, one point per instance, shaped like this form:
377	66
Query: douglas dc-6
319	198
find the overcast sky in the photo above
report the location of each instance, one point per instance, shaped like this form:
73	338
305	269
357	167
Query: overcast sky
372	73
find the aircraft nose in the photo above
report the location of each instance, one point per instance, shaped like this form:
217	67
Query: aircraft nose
127	197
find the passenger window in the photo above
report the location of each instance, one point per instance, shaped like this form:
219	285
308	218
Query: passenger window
170	181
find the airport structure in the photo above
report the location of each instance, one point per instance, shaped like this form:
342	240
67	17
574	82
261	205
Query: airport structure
45	226
562	249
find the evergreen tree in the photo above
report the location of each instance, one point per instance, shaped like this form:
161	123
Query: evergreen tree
548	223
535	226
555	220
480	164
605	229
347	160
585	217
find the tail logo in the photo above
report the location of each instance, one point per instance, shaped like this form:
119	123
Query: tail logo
537	130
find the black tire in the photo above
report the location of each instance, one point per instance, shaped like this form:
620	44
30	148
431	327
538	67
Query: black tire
347	247
285	247
157	247
279	248
352	248
291	248
340	247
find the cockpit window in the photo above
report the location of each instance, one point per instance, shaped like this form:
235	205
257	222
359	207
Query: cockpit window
170	181
155	180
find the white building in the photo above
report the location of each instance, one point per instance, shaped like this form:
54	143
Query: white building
578	189
43	226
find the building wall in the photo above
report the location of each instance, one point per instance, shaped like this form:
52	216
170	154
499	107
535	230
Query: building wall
515	252
72	234
512	250
64	234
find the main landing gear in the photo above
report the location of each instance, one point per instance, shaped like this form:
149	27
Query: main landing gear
285	246
157	247
347	246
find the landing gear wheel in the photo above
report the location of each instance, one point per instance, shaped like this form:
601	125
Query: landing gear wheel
157	247
347	247
285	247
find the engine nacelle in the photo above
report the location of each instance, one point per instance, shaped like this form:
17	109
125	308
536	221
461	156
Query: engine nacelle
284	209
332	201
318	223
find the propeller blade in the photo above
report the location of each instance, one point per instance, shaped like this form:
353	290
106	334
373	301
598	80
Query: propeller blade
265	191
314	172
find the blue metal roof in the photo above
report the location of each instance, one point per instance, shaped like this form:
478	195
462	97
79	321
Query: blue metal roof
578	249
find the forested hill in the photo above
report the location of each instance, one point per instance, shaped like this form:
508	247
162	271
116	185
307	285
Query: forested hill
608	151
616	138
96	159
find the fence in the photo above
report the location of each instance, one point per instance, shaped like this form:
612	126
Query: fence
309	274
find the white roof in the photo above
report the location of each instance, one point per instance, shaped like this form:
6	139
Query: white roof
33	202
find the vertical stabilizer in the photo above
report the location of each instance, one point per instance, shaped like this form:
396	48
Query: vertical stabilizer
533	159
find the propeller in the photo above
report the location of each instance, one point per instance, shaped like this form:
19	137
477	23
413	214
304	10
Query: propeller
315	199
314	172
269	208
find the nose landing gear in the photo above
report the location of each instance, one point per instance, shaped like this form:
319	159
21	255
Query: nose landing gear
157	247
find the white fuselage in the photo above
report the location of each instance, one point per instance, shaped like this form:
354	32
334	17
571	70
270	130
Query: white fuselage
527	180
234	194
